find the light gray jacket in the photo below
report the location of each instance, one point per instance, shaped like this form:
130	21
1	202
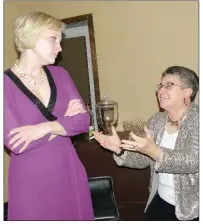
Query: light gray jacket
183	162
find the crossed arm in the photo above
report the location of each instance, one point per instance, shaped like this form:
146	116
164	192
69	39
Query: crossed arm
24	137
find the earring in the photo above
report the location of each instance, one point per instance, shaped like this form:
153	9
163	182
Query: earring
185	101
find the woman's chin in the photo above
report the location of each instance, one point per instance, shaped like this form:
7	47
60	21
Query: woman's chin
49	62
163	105
52	61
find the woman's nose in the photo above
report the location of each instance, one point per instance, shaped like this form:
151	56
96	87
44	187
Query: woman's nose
59	48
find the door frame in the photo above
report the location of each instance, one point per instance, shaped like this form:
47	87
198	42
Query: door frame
92	67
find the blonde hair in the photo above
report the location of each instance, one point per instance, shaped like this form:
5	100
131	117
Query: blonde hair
28	28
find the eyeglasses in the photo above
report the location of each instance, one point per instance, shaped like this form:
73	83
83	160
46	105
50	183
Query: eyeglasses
167	86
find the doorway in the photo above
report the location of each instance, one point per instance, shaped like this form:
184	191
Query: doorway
79	58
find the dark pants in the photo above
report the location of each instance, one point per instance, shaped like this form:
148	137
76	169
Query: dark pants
160	210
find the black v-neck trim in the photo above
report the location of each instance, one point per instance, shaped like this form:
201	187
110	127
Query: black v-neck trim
52	100
46	111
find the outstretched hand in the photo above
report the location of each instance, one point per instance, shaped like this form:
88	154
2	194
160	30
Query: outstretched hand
145	145
111	142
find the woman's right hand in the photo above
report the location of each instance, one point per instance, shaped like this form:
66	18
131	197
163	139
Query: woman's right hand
111	142
74	107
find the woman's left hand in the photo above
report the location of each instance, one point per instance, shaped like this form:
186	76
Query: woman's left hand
75	107
145	145
27	134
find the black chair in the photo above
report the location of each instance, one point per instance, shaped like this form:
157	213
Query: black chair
103	199
5	211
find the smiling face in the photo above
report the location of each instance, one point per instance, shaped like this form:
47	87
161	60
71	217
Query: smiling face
171	93
48	46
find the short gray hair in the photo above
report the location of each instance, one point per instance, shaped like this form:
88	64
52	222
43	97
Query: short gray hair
188	78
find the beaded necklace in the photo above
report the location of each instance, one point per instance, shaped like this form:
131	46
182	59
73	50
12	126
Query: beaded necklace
176	123
27	77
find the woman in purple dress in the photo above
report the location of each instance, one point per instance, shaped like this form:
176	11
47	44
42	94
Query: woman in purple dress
42	110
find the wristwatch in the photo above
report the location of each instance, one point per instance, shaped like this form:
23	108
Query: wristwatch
120	153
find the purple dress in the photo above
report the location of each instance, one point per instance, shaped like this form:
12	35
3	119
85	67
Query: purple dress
47	181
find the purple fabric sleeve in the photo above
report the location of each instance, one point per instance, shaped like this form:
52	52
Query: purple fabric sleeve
76	124
79	123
